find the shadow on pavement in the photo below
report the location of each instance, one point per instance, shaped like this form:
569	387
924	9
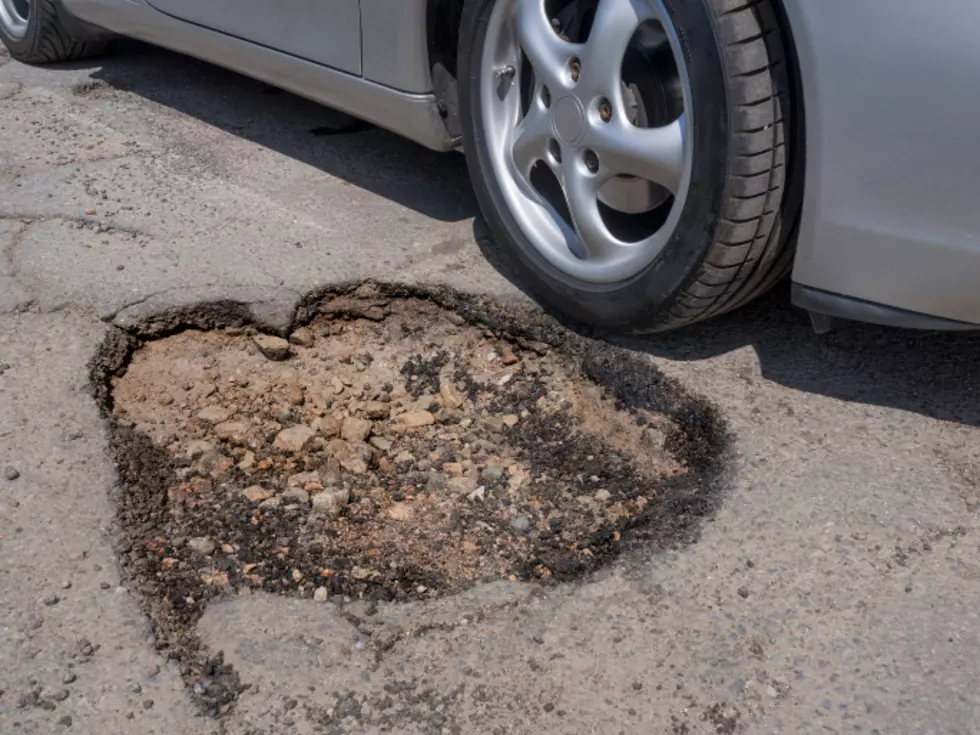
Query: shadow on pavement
929	373
435	185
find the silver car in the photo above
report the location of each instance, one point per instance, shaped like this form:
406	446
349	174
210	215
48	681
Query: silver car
644	163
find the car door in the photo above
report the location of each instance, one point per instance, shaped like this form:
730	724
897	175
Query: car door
324	31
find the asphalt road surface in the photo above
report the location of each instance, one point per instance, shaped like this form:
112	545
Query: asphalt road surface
836	590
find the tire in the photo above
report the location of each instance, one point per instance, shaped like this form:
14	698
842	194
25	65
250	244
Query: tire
45	39
729	243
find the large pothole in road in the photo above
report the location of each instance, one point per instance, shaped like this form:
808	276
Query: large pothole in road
392	449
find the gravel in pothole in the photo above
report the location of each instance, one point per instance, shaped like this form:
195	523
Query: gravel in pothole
394	456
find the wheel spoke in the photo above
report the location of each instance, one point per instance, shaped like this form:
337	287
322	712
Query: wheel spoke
612	29
656	154
531	139
549	55
582	196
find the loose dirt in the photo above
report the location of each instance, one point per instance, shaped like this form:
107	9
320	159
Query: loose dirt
389	449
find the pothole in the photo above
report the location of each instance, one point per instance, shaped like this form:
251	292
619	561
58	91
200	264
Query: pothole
392	448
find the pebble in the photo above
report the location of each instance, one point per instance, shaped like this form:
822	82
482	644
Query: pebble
743	591
135	688
61	695
320	595
11	473
274	348
330	502
510	420
302	337
449	398
354	429
381	444
69	678
104	585
147	704
66	585
202	545
152	671
377	410
521	524
416	419
400	512
492	474
51	600
256	493
328	427
214	414
602	496
65	721
296	495
293	439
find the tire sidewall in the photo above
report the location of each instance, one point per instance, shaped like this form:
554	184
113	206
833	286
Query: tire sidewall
21	47
644	298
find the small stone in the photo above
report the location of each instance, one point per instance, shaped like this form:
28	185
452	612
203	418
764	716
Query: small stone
296	495
510	420
329	503
302	337
381	444
416	419
437	481
214	414
302	479
521	524
492	474
400	512
198	449
328	427
11	473
602	496
233	431
360	573
461	485
274	348
354	429
61	695
454	469
377	410
320	595
449	398
296	395
202	545
355	457
69	678
152	671
104	585
509	358
66	585
637	686
477	494
147	704
35	621
270	504
65	721
337	384
256	493
135	688
654	438
330	472
743	591
293	439
50	600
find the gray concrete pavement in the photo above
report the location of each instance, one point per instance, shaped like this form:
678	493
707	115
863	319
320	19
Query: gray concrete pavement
837	590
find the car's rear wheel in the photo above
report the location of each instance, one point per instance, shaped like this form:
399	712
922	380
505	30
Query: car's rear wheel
34	33
630	155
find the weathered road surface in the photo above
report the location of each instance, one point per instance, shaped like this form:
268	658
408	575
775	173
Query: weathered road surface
837	590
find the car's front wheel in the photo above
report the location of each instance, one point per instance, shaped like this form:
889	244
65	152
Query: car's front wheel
34	32
630	155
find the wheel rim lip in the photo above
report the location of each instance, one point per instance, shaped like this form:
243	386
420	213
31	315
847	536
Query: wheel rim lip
546	230
11	19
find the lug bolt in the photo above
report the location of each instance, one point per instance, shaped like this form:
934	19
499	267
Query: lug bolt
605	111
507	72
576	69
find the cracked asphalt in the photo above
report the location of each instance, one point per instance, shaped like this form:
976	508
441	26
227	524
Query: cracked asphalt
836	590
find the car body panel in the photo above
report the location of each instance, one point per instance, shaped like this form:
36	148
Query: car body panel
890	211
891	166
325	31
414	116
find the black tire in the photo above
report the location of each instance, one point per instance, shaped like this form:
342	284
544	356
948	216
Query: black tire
47	39
730	244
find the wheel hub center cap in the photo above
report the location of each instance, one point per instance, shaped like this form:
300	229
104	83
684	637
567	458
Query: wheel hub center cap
569	120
